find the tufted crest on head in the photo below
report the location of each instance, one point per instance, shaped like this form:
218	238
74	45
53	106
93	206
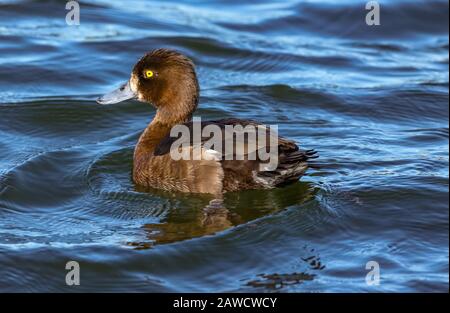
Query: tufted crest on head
164	57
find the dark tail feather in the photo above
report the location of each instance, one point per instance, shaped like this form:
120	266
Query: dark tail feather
311	156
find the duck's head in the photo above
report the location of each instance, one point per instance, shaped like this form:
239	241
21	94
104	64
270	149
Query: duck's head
164	78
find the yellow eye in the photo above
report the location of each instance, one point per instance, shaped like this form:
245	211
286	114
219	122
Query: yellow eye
148	74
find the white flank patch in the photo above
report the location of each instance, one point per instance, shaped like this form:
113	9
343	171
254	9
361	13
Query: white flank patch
211	155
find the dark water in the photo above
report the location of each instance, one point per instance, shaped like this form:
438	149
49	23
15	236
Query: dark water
371	100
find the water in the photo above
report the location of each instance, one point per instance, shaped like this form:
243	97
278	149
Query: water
371	100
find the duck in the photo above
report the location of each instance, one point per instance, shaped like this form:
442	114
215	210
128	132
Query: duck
167	80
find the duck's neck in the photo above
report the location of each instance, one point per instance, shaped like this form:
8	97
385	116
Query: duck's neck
160	127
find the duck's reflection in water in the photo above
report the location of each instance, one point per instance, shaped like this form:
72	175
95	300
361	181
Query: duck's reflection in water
196	216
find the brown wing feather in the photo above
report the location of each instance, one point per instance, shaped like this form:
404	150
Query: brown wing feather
245	174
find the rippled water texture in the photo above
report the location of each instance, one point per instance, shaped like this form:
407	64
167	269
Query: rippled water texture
373	101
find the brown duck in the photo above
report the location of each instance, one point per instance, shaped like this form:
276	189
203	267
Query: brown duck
167	79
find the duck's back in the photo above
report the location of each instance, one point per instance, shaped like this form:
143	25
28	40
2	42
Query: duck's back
244	165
